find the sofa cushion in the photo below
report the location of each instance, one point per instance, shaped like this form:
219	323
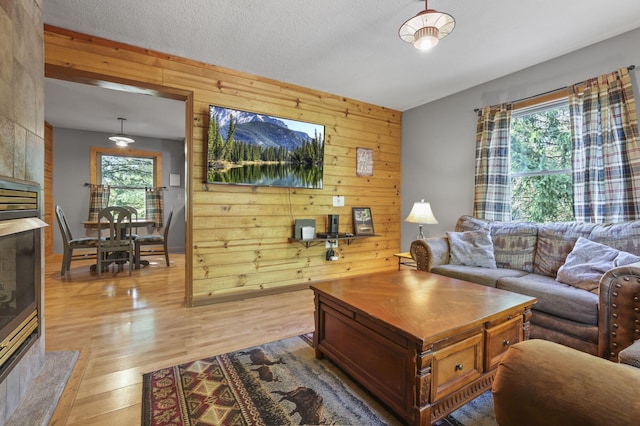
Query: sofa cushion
551	327
514	244
622	236
555	241
471	248
589	261
474	274
470	223
555	298
630	355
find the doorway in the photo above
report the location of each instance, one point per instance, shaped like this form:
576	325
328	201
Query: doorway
84	107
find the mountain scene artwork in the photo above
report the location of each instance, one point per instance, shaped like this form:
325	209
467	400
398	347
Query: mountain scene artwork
246	148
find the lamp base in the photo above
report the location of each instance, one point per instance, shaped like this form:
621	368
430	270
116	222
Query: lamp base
420	235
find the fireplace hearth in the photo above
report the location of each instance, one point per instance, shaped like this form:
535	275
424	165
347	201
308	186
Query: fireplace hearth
20	271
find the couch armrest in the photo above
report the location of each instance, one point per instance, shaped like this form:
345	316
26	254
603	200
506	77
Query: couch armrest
430	252
619	310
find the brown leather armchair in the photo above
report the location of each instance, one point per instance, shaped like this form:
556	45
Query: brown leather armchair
545	383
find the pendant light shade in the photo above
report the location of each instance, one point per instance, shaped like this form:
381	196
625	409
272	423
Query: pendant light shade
426	29
121	139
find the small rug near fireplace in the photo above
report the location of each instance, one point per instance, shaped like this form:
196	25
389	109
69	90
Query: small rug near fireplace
278	383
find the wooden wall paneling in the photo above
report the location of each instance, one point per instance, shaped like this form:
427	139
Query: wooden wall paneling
239	235
48	212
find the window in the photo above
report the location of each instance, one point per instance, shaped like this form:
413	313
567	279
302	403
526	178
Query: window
127	173
541	163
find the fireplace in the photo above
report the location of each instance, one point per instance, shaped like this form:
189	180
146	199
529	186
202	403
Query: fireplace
20	271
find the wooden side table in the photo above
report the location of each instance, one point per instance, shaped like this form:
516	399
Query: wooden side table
405	259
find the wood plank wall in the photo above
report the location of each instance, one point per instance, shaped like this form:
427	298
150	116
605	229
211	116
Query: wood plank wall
239	236
49	210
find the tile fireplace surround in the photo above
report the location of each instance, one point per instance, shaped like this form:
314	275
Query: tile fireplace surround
22	147
22	352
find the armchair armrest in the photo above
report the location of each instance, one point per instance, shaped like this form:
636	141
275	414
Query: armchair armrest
430	252
619	310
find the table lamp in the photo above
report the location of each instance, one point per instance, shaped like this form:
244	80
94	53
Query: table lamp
421	214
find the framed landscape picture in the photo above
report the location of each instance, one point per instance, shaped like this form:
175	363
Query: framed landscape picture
362	221
248	148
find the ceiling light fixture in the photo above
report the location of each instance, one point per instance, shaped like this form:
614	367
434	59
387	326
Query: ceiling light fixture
426	29
121	139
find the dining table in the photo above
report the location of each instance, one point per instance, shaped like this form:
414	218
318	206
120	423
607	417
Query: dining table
135	223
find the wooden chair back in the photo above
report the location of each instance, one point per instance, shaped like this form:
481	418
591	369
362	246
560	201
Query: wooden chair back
114	231
64	226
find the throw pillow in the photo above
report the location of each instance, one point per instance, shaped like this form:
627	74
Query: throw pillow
555	241
588	262
514	244
471	248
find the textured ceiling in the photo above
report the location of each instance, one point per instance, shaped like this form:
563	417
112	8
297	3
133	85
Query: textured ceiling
351	48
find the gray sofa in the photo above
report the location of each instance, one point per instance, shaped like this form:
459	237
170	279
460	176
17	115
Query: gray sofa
585	299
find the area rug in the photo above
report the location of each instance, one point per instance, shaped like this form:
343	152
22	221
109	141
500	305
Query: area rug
278	383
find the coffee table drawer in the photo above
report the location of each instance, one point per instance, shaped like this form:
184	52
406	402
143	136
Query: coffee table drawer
499	338
456	366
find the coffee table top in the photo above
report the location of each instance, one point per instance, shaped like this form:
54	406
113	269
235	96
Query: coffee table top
421	305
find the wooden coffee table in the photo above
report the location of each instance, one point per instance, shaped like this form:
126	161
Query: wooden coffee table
424	344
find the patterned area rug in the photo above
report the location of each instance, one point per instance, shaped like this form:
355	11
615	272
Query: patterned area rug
279	383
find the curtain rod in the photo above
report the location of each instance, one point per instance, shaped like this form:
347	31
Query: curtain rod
629	68
127	187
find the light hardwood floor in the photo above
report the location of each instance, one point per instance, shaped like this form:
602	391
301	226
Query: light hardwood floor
126	326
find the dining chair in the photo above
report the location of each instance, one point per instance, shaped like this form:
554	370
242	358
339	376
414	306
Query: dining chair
134	218
116	244
154	240
70	244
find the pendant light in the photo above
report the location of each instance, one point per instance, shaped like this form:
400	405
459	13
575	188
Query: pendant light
426	29
121	139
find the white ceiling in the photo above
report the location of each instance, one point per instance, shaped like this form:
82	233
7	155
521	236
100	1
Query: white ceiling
93	108
348	48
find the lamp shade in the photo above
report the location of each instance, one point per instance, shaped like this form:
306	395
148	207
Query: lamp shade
426	29
421	213
121	139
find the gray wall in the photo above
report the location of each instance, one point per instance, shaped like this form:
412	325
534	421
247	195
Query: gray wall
438	138
71	169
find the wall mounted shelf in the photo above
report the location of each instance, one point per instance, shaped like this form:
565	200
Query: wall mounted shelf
318	241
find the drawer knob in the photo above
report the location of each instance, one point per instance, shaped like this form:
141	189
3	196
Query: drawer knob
459	367
506	343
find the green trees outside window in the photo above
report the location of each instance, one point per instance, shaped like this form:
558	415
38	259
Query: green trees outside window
541	164
127	176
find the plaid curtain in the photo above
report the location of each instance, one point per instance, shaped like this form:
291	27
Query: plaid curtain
98	200
492	198
606	157
154	202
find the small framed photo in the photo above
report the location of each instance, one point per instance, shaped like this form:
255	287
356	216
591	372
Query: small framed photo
362	221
